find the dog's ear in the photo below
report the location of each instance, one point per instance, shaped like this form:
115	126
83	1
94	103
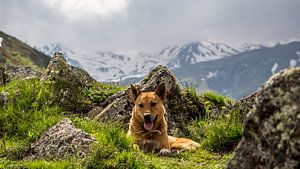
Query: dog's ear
161	91
135	92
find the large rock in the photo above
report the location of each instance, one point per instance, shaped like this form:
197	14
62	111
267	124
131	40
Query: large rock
272	128
119	105
68	82
61	141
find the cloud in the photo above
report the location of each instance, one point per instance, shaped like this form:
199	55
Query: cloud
131	26
83	9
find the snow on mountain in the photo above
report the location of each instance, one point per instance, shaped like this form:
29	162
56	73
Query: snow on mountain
1	41
69	55
109	66
250	46
106	66
185	54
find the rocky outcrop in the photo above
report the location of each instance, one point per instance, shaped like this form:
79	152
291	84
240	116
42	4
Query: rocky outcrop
272	128
61	141
68	82
119	105
13	72
19	72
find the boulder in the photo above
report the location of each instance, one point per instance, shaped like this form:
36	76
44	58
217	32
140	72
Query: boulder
61	141
68	82
4	78
271	136
119	106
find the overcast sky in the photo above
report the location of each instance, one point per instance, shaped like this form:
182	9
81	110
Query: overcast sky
130	26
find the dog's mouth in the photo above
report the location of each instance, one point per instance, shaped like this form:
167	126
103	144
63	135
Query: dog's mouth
149	125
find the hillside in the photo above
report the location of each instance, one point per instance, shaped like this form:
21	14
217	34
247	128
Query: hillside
16	52
241	74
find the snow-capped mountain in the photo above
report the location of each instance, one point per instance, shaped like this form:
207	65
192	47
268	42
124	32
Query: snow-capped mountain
107	66
182	55
57	47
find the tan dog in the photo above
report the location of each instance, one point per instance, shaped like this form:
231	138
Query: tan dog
148	125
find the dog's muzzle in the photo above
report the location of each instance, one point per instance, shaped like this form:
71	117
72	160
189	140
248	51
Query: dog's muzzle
148	118
148	121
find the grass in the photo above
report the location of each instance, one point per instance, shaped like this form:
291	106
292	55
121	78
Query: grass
31	109
25	117
99	92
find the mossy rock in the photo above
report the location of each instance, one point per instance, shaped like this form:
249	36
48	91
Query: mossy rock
68	82
271	136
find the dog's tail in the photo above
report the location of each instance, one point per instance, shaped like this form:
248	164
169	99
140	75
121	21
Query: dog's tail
182	143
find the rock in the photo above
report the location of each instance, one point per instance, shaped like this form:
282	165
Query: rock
19	72
119	105
61	141
271	136
3	98
245	104
68	82
3	76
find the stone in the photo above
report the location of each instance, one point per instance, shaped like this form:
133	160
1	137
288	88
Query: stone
271	136
4	78
68	82
61	141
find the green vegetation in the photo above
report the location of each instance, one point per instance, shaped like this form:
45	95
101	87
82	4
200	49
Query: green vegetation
219	134
26	115
99	92
31	107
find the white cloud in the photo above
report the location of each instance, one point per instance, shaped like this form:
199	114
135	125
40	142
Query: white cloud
83	9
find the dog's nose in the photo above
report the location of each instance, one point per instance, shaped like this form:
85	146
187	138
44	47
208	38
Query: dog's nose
147	118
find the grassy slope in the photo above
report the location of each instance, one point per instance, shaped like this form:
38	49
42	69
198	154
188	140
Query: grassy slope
30	111
16	52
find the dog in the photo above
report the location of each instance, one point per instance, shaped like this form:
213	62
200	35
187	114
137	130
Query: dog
148	125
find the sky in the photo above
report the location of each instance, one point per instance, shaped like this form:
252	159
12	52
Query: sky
131	26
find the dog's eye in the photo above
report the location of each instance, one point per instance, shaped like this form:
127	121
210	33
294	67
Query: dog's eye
141	105
153	104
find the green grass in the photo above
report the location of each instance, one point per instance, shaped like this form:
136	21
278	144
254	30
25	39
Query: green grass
99	92
25	117
219	134
32	108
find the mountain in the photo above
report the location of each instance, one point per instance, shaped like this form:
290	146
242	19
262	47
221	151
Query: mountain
14	51
202	64
182	55
239	75
58	47
109	66
250	46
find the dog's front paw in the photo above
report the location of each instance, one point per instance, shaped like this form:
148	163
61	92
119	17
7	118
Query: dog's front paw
165	152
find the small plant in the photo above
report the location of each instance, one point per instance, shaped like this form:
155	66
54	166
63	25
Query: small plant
215	98
99	92
219	134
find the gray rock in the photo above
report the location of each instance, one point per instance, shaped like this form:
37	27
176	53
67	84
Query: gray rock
272	128
68	82
4	78
20	72
61	141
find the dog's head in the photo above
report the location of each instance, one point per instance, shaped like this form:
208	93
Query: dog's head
148	106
